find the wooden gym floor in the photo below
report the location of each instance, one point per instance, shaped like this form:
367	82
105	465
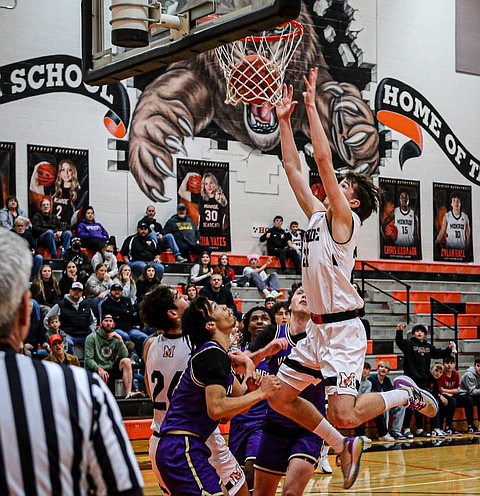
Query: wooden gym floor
425	466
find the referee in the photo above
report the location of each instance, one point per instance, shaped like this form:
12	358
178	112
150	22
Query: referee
60	428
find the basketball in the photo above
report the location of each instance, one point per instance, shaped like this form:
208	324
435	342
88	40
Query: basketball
254	82
391	231
46	174
195	184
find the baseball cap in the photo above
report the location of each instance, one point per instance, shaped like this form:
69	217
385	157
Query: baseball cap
270	298
77	285
142	223
55	337
181	206
116	285
76	239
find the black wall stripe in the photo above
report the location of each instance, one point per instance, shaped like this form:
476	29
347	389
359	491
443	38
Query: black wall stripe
50	427
21	425
77	433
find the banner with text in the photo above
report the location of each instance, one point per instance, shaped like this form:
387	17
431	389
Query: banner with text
7	171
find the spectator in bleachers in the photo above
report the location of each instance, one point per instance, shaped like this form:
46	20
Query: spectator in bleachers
165	240
12	211
295	240
36	344
277	245
185	232
93	235
107	355
202	270
97	287
281	313
69	276
20	228
436	371
191	291
125	315
77	318
79	257
449	386
140	249
125	278
54	327
107	256
417	353
58	353
364	387
215	290
269	302
48	230
45	289
380	382
223	268
146	282
470	384
256	276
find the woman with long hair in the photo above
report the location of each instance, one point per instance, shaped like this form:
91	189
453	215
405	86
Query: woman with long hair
191	291
98	284
45	289
202	270
69	276
125	278
66	192
223	268
93	235
146	282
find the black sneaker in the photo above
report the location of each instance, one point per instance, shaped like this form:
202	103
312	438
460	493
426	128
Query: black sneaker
450	431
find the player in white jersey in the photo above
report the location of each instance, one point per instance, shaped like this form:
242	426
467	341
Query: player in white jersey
335	345
455	226
405	220
166	355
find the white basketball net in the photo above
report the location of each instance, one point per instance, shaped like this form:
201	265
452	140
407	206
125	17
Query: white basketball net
260	83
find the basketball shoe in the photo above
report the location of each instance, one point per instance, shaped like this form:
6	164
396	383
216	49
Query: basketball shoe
418	399
349	460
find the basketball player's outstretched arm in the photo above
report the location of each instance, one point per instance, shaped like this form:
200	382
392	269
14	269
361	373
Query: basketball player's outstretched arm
308	202
339	207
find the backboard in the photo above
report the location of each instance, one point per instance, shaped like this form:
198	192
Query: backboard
206	25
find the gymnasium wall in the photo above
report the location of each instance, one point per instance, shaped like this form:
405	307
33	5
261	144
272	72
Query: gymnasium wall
388	67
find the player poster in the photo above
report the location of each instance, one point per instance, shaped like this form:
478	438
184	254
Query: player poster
60	174
400	230
7	171
204	188
316	184
452	223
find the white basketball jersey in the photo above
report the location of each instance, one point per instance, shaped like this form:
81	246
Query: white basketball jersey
327	268
405	224
297	240
166	360
456	226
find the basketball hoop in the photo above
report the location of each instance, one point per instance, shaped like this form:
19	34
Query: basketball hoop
254	67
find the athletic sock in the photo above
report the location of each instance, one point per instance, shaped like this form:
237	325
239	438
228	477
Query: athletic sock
330	435
396	397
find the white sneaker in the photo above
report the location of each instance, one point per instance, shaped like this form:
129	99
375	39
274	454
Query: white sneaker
438	433
366	439
408	434
418	399
324	464
386	438
276	294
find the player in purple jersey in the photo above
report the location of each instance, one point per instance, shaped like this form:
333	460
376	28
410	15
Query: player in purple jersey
286	448
246	428
207	392
335	344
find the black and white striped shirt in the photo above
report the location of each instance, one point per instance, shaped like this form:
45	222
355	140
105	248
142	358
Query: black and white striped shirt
60	432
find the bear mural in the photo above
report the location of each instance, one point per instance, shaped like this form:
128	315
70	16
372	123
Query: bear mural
188	98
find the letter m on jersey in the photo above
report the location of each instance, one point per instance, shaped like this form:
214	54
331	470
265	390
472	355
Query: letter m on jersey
347	381
168	351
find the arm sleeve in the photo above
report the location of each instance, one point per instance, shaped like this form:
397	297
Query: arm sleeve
90	363
81	231
263	237
265	337
399	341
211	366
122	350
439	352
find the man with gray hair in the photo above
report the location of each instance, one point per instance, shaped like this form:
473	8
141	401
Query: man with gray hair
60	426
